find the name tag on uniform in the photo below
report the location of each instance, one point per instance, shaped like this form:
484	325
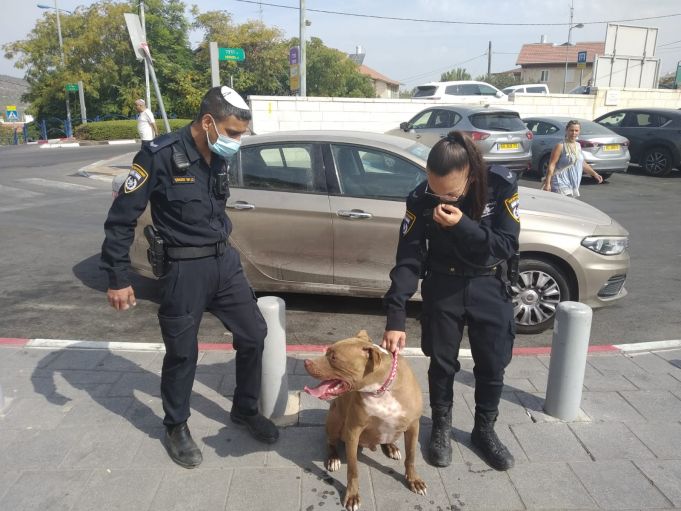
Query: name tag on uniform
183	179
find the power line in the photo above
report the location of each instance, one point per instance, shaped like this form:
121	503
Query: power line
668	44
451	66
451	22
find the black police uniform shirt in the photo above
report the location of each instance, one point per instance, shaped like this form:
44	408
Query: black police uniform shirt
185	208
484	242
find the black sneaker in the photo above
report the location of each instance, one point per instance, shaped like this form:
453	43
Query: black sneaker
258	425
181	446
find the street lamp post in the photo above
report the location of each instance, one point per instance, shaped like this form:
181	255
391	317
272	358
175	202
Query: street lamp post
567	51
63	64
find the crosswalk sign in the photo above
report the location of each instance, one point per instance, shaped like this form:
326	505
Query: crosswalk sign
11	114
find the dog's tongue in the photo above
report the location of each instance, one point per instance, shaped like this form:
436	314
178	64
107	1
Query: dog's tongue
321	390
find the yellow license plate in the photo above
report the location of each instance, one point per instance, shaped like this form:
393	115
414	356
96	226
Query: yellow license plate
611	147
507	147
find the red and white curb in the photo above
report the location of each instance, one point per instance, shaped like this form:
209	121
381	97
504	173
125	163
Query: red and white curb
311	348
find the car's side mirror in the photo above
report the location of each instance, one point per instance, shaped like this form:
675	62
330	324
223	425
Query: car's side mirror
499	94
405	126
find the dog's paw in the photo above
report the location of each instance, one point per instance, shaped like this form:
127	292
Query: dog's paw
391	451
351	501
418	486
332	463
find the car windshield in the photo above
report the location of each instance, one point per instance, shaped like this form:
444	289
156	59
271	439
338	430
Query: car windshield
420	151
497	121
424	90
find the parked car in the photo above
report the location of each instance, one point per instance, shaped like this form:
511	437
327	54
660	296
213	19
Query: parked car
654	136
500	134
606	151
462	91
530	88
582	89
319	212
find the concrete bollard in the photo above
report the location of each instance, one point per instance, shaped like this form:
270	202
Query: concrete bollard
569	348
274	388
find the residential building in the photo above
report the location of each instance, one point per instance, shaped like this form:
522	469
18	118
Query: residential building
545	63
385	87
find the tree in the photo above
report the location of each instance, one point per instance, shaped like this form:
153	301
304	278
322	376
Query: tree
265	70
331	73
500	81
98	52
455	75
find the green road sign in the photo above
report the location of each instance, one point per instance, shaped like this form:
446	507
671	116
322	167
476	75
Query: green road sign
73	87
234	54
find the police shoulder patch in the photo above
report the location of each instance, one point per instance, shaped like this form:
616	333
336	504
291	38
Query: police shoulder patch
512	207
136	178
408	222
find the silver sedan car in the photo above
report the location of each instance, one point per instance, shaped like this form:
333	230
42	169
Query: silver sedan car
500	135
319	212
603	149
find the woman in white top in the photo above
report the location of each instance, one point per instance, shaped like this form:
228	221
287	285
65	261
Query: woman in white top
564	172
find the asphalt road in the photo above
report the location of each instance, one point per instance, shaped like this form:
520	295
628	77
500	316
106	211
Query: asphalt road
51	232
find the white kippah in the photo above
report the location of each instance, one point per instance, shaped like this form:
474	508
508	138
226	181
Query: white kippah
233	98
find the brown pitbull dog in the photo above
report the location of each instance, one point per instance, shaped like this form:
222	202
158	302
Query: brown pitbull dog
375	398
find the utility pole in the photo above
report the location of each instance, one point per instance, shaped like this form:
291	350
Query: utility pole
63	65
489	61
147	97
303	52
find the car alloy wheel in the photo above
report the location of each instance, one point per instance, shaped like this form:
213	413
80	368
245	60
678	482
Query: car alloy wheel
657	162
541	287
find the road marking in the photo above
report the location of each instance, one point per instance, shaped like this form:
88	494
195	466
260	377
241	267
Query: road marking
61	185
58	146
18	193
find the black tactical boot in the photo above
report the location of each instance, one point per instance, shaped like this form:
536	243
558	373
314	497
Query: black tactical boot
181	447
440	444
487	441
258	425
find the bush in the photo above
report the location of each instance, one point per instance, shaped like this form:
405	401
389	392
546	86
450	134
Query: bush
120	130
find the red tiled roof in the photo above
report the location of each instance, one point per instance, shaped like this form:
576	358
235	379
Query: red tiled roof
375	75
547	53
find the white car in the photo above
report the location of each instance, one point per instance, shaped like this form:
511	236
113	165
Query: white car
465	91
530	88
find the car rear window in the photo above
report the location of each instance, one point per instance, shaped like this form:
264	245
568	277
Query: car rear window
593	128
495	121
425	90
535	90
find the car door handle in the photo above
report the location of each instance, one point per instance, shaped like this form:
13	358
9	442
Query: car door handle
354	214
241	205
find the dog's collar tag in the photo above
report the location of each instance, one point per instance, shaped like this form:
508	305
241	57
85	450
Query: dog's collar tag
391	377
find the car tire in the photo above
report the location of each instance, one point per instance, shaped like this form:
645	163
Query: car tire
543	165
542	285
657	162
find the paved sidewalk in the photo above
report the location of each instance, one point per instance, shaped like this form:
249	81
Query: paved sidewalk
81	431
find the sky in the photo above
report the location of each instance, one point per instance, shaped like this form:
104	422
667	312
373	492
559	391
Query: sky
415	52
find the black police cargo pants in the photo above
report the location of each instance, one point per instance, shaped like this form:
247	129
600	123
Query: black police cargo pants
481	303
218	285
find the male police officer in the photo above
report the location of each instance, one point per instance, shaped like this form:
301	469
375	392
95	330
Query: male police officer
184	177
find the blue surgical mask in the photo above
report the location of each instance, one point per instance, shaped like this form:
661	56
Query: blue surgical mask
224	146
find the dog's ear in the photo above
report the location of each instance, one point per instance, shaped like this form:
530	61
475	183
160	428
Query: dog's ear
362	334
373	355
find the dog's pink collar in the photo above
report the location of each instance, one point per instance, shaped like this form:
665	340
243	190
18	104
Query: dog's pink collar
391	377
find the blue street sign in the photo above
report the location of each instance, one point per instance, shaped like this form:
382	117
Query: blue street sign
581	57
11	114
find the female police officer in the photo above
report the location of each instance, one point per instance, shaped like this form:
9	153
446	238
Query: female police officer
460	228
183	176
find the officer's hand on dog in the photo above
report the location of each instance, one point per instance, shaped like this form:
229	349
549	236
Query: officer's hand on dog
394	340
447	215
121	299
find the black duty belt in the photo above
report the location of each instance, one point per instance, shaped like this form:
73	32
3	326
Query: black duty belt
214	250
461	271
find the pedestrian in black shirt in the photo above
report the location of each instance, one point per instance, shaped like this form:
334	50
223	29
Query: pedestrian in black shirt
460	233
183	176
